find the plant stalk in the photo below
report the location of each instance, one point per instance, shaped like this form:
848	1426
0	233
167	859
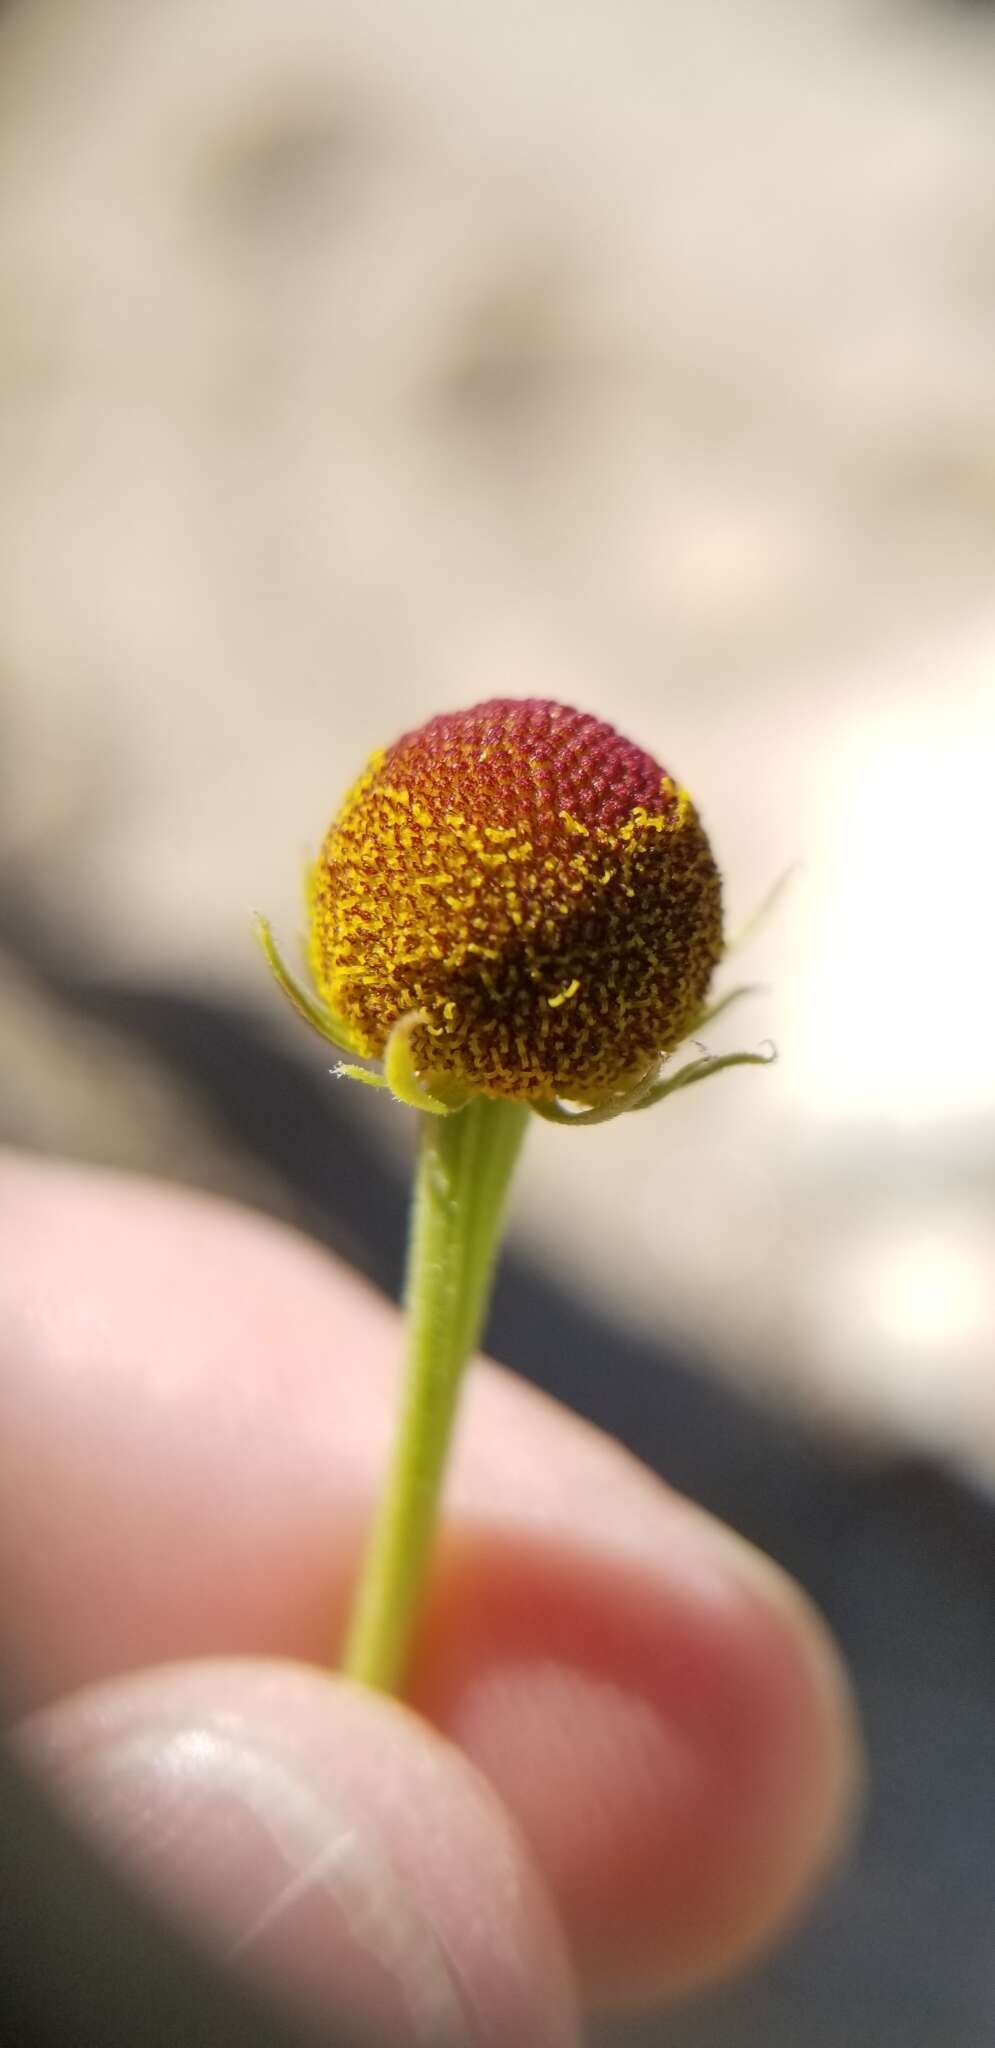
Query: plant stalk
464	1167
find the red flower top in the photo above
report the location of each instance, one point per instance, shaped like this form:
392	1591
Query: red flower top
537	888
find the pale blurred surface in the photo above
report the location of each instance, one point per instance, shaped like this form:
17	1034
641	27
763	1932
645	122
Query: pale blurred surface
358	361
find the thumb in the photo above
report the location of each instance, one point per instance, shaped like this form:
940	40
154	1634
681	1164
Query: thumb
322	1839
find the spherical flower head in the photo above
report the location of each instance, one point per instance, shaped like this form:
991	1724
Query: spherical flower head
536	889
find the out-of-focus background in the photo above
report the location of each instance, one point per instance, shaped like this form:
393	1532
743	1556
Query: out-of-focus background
359	361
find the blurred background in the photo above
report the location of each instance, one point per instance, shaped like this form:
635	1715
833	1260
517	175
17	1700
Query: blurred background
359	361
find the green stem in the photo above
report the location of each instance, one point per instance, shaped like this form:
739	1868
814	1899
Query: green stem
465	1163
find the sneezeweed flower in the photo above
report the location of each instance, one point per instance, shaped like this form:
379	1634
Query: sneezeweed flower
515	910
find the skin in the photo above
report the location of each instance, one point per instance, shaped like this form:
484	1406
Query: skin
628	1751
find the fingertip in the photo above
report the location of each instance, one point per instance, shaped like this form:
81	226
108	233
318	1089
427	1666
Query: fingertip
684	1764
322	1839
663	1714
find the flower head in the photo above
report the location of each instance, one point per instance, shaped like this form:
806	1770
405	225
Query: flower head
530	887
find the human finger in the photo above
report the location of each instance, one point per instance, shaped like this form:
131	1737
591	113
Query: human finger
198	1412
320	1839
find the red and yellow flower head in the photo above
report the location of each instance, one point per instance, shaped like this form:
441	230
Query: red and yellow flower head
539	891
515	902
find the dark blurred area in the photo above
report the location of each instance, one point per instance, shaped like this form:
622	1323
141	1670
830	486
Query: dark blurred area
353	366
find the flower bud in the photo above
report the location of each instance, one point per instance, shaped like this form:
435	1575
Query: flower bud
535	888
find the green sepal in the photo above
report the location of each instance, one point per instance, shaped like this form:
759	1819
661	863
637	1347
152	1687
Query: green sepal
315	1012
654	1085
554	1112
369	1076
699	1070
403	1079
761	916
724	1003
399	1075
